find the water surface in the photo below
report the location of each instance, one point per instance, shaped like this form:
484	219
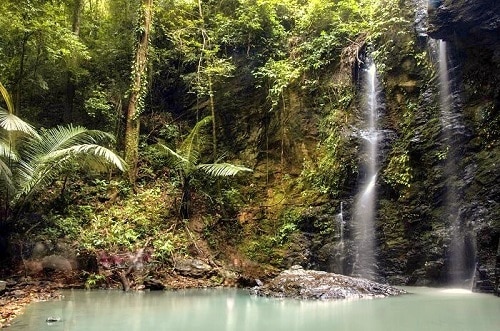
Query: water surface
231	309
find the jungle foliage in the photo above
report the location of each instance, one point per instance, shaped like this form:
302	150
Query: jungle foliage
209	89
72	62
30	160
236	63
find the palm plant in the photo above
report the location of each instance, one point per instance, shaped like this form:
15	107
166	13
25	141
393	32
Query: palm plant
29	161
57	149
186	160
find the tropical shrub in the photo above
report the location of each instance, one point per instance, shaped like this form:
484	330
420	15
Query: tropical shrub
186	160
31	160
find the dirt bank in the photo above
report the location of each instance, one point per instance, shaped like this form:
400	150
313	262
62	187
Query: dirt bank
18	293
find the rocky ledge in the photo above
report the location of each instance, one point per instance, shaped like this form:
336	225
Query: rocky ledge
298	283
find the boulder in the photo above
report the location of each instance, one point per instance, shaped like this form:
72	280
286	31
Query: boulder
153	284
298	283
56	263
192	268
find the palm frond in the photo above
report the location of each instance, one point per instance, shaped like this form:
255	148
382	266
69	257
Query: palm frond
195	141
36	174
5	172
173	153
62	137
7	98
222	169
58	149
12	123
178	161
5	176
6	151
28	177
98	157
8	120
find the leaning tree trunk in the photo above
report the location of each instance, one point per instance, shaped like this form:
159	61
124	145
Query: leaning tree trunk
133	109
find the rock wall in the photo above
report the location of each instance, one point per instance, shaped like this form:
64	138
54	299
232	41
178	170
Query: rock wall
469	23
473	29
414	237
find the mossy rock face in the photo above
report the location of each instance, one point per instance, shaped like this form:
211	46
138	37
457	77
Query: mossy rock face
321	162
412	236
298	250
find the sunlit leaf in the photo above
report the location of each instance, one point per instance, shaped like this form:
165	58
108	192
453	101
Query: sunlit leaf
222	169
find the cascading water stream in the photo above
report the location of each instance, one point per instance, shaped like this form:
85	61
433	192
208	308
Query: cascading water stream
339	257
461	251
365	204
341	223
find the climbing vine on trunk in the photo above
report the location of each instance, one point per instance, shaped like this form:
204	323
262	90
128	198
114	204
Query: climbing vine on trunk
137	91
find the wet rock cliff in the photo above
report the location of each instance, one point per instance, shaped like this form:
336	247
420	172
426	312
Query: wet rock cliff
473	30
414	231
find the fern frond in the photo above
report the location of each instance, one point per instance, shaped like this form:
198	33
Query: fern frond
192	146
222	169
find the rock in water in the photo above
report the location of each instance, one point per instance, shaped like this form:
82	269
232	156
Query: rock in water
298	283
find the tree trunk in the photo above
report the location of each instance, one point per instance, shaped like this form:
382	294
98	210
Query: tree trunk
212	112
205	45
134	107
20	75
70	79
184	210
283	133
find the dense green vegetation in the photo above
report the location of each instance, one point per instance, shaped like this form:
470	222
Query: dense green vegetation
195	89
197	50
31	161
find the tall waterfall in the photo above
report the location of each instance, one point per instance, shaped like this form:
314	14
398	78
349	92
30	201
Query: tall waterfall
461	249
365	204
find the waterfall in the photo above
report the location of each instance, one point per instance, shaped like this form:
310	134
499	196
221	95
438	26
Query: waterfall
340	256
444	84
341	223
365	202
461	252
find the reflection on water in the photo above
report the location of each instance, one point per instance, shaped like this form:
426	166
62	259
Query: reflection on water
457	291
211	310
